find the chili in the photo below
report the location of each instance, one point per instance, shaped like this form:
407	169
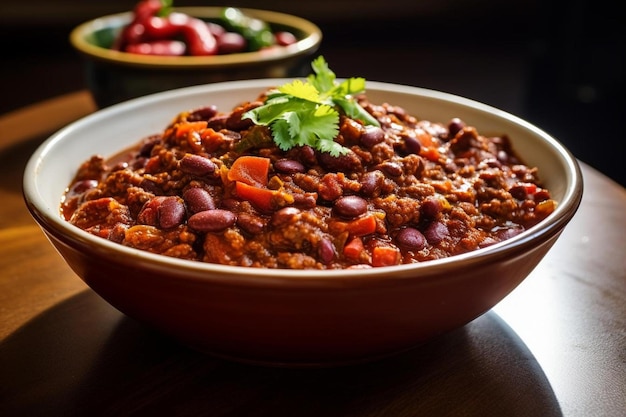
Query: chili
408	191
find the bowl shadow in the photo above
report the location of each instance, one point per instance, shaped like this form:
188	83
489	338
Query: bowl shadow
83	357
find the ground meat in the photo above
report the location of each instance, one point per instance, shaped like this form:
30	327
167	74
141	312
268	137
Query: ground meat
407	191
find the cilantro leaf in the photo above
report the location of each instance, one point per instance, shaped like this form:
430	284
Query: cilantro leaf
322	124
307	112
301	90
353	110
324	77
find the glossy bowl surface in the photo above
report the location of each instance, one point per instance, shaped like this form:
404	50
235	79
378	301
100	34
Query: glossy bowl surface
286	317
113	76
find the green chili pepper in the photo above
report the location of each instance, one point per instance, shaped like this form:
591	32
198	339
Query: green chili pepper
257	32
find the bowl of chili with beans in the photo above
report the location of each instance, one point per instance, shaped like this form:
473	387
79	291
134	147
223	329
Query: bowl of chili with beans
183	215
191	46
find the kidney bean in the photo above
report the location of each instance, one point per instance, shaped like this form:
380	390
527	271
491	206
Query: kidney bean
119	166
431	207
230	43
212	220
198	199
436	232
79	187
163	211
391	168
284	216
371	183
250	223
411	238
231	204
518	191
196	165
203	113
326	251
305	154
503	157
349	162
412	145
148	144
288	166
455	126
150	186
372	135
306	200
235	122
350	206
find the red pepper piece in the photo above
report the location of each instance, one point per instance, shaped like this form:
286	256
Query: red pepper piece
146	9
197	35
261	198
252	170
354	249
135	31
385	256
199	38
160	48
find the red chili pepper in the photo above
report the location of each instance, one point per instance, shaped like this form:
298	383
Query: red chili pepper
135	31
131	34
199	38
146	9
160	48
165	27
197	35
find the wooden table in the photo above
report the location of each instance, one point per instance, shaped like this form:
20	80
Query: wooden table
556	346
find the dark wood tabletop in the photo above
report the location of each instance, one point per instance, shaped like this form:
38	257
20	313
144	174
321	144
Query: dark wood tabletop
556	346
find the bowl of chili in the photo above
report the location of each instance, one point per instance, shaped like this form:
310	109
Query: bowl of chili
267	304
148	50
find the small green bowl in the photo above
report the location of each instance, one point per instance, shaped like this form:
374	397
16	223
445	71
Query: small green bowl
113	76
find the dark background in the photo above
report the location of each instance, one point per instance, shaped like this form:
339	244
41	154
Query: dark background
558	64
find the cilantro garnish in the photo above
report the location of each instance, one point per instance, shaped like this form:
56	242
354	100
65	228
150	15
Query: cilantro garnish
307	112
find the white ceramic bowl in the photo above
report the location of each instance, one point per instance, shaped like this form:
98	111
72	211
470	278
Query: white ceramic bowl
283	316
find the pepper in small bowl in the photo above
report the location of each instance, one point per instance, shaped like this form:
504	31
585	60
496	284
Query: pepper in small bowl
158	30
156	47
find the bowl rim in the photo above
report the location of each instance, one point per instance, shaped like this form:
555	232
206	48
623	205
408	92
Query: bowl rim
51	222
304	46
